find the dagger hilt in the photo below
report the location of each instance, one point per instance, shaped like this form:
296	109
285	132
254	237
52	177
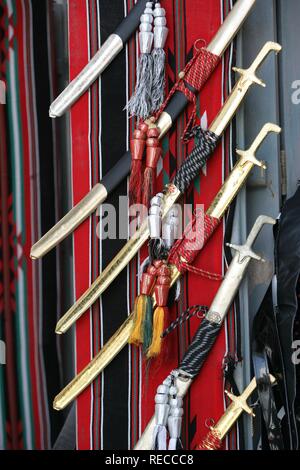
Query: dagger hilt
249	74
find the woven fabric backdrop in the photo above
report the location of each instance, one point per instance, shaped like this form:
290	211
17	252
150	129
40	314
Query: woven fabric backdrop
29	297
112	413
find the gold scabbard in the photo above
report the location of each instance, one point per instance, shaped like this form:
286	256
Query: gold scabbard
70	221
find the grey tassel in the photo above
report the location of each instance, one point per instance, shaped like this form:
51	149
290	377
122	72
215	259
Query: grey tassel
140	103
159	79
159	57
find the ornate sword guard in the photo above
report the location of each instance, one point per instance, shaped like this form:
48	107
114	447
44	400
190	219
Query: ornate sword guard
249	75
241	402
245	251
249	155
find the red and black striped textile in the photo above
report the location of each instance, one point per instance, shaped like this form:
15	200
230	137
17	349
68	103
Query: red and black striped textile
28	292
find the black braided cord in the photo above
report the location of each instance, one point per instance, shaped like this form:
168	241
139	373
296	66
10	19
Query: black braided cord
186	316
199	348
190	168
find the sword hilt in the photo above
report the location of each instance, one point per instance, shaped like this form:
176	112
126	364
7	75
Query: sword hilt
249	155
249	75
245	251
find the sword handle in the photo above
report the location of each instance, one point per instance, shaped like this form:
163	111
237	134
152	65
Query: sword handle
200	347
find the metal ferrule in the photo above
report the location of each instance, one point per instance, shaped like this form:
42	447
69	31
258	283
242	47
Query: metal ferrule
109	50
160	36
146	42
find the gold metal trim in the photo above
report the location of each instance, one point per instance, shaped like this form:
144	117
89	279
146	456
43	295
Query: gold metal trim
236	408
70	221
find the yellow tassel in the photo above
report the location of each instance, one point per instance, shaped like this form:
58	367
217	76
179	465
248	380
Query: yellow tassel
158	328
136	336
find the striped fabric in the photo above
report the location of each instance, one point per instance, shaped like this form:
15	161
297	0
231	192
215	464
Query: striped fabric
28	295
112	413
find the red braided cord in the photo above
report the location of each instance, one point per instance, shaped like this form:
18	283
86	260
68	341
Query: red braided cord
195	237
196	73
211	442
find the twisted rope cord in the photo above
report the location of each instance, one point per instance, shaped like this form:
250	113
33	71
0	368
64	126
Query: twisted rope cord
185	316
195	74
195	237
200	347
211	442
197	158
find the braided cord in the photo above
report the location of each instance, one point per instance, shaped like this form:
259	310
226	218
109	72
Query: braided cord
186	316
196	160
199	348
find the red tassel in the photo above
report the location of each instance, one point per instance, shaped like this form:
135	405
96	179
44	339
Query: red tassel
148	189
137	147
135	187
153	154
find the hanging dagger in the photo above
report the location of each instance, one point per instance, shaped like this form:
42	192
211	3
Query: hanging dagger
215	213
210	58
185	175
213	440
101	60
206	335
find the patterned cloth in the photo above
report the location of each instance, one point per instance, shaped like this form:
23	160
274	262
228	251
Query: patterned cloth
28	291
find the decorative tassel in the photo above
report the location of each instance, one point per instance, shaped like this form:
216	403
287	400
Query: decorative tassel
161	291
140	103
159	57
148	325
152	156
175	419
142	305
137	147
139	316
158	329
162	409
